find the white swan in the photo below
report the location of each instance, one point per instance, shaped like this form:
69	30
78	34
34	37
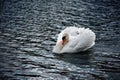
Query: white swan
73	39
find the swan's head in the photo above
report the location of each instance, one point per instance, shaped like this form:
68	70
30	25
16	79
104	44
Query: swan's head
63	41
65	38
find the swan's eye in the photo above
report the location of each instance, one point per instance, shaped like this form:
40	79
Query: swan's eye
64	37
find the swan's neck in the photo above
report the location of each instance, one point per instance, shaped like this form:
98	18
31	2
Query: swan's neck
61	44
58	47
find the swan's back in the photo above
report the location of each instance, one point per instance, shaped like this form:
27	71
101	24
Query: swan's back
86	39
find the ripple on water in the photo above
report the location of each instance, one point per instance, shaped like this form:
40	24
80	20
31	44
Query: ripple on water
29	31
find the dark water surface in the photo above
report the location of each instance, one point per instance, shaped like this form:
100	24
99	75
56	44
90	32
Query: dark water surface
28	31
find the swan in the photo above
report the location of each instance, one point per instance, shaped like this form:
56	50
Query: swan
74	39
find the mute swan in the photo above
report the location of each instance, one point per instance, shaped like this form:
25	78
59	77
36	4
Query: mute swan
73	39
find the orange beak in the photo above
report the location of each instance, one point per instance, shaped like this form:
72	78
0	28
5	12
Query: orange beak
63	42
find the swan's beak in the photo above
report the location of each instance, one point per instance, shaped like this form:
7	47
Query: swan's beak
63	42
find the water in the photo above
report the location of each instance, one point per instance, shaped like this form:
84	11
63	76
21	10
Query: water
28	32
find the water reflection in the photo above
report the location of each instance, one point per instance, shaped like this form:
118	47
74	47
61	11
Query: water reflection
79	59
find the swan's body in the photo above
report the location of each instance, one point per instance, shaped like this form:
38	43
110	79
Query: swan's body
73	39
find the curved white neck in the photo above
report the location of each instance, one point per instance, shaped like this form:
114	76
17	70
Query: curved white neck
58	47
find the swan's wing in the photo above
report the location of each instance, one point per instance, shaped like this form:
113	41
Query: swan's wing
86	39
72	31
73	41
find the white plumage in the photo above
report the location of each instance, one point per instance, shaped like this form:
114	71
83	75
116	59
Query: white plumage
76	40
